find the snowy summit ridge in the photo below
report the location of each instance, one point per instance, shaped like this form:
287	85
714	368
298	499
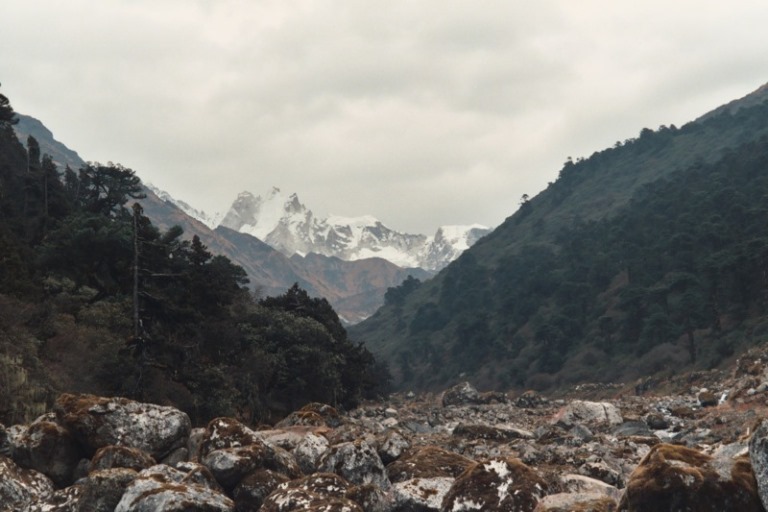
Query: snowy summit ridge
285	223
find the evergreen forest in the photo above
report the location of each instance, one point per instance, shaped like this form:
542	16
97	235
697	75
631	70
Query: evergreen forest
644	259
94	298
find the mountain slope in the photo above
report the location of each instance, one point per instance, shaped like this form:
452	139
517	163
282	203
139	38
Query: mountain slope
575	286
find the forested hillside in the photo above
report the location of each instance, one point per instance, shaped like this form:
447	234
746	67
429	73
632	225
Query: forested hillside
642	259
95	298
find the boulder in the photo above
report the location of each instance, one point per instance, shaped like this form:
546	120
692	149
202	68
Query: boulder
100	491
392	444
21	487
356	461
496	484
163	488
594	414
225	433
579	502
312	414
252	490
491	433
309	451
423	494
371	498
428	462
230	465
758	456
121	457
674	477
314	493
98	422
68	499
49	448
461	394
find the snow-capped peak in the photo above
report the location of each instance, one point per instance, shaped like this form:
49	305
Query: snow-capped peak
284	222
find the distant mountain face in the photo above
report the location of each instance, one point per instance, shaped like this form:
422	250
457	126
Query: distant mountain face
61	154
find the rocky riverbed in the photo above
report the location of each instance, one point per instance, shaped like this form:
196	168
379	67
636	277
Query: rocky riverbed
694	442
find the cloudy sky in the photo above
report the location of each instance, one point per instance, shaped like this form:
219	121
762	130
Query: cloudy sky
420	112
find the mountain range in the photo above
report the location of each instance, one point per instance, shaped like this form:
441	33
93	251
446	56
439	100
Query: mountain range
286	224
279	241
644	258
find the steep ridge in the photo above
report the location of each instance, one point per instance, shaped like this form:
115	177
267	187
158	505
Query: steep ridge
544	299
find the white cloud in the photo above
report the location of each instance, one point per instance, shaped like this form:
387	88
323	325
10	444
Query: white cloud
421	113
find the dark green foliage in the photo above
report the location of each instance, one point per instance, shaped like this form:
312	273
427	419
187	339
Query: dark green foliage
7	115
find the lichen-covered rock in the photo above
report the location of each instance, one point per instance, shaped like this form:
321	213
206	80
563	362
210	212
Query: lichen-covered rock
49	448
392	444
163	488
590	413
371	498
99	421
461	394
423	494
674	477
112	456
312	414
758	456
428	462
226	433
68	499
580	484
309	451
255	487
20	487
578	502
319	492
491	433
357	462
230	465
101	491
505	485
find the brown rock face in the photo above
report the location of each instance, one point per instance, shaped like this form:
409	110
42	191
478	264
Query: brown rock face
505	485
674	477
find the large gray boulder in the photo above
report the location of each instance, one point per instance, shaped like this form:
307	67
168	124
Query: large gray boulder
20	488
164	488
356	461
99	421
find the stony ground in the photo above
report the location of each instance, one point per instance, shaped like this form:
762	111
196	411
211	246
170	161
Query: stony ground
692	442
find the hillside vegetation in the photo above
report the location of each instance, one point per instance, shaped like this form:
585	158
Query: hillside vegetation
640	260
95	298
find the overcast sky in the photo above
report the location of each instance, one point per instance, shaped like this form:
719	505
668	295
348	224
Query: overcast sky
419	112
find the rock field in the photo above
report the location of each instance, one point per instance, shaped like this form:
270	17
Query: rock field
692	442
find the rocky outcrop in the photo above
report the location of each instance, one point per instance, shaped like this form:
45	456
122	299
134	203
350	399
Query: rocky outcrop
20	488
